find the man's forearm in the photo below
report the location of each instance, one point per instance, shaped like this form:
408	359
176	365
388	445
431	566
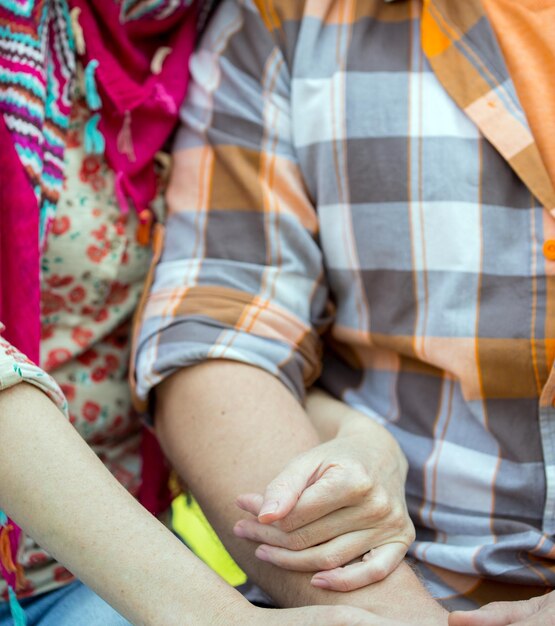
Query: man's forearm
228	429
56	488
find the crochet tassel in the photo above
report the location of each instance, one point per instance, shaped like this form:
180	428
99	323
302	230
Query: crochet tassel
3	518
93	99
120	193
165	99
77	31
18	614
125	139
144	228
6	557
158	59
94	140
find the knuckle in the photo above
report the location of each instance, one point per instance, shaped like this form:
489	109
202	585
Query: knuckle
287	525
398	518
381	504
342	584
299	540
332	561
379	572
362	483
410	535
277	487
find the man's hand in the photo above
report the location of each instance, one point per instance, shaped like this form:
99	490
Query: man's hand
339	502
535	612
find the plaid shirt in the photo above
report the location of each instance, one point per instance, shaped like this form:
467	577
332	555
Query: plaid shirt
357	196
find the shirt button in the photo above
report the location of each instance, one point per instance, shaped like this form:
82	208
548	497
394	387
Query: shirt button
549	249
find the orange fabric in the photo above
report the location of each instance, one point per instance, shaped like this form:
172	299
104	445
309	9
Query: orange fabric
526	32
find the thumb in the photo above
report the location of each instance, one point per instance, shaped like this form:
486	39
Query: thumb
494	614
284	491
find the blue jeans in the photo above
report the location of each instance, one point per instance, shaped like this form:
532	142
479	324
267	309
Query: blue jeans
73	605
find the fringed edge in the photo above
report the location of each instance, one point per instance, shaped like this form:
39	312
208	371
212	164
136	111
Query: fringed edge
10	569
121	195
125	138
94	139
164	98
77	31
18	614
91	92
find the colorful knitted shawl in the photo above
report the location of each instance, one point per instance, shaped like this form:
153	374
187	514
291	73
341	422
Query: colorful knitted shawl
134	54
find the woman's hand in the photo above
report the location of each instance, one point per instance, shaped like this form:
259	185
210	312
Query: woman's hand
338	510
534	612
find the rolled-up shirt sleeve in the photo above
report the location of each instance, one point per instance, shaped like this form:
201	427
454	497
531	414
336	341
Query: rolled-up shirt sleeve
16	368
241	274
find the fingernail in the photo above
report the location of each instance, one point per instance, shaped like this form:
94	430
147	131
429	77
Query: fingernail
238	530
269	507
322	583
262	554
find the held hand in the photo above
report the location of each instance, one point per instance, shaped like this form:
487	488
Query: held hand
340	502
535	612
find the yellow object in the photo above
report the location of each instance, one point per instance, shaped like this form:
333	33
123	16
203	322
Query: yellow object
191	525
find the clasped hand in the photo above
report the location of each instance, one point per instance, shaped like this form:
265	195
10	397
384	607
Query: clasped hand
337	510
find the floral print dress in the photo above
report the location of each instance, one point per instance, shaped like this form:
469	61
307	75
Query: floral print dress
93	273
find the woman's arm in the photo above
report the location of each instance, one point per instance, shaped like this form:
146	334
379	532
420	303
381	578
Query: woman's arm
54	486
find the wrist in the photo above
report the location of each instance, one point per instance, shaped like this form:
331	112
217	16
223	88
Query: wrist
374	440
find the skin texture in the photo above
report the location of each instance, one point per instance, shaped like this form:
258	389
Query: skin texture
230	429
345	498
534	612
54	486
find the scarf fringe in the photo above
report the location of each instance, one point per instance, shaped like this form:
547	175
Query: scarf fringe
10	569
18	614
91	92
125	138
94	139
78	35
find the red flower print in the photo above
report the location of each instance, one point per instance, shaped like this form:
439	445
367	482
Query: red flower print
112	362
81	336
51	303
101	316
46	331
56	358
116	424
72	419
87	357
97	212
120	225
59	281
96	254
37	557
99	374
100	234
118	294
22	592
69	391
77	294
89	167
90	172
91	411
61	574
72	139
61	225
98	182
